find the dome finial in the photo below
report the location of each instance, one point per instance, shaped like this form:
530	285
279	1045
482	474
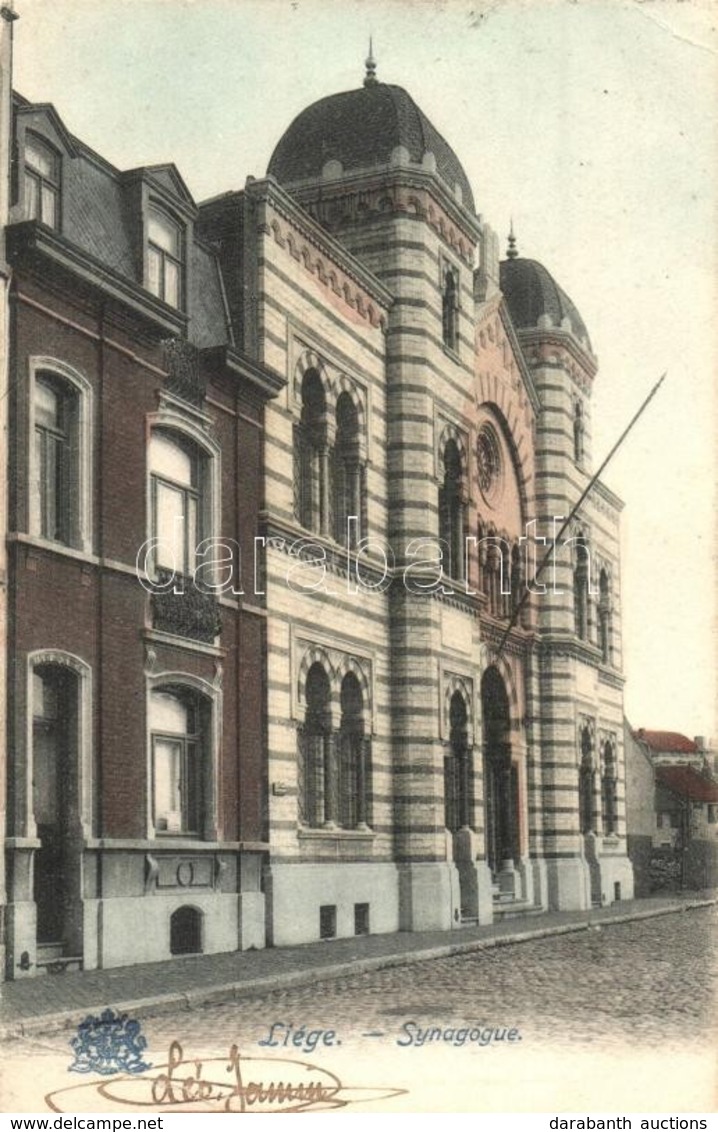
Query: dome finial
370	78
512	252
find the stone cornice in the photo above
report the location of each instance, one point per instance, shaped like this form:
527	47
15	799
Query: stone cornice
563	340
384	177
271	192
609	496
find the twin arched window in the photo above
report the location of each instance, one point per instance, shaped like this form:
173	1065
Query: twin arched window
330	477
334	765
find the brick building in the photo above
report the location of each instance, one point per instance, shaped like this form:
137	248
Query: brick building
135	730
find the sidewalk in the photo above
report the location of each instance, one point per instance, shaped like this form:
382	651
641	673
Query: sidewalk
54	1002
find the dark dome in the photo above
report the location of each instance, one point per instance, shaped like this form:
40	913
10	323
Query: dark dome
531	291
360	128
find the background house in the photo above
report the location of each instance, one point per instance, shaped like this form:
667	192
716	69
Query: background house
674	775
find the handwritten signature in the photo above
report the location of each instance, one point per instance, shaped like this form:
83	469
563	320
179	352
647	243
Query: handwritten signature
234	1083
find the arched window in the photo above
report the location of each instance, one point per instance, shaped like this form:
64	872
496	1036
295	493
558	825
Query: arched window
316	786
164	257
499	572
608	789
311	457
458	770
451	512
604	616
581	591
334	767
348	474
450	309
586	782
186	931
55	461
578	432
42	181
60	453
178	500
180	722
354	767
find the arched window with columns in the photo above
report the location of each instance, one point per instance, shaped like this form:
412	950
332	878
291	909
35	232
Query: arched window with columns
334	754
354	769
458	769
450	309
579	429
316	792
311	457
604	616
609	800
348	474
581	577
451	511
586	777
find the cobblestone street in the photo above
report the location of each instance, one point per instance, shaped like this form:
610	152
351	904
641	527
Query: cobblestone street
629	1006
650	982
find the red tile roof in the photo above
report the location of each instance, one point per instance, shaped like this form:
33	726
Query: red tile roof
666	741
688	783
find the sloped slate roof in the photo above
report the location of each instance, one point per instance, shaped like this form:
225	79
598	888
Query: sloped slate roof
360	128
688	783
667	741
531	291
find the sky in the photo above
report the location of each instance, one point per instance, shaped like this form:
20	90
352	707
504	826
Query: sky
592	123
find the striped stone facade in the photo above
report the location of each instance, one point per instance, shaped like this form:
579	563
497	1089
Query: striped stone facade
432	760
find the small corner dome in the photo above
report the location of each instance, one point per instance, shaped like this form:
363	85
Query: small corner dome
361	128
534	298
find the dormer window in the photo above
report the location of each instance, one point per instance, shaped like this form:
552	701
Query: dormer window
42	182
164	257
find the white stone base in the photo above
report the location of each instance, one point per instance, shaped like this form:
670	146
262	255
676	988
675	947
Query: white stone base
569	884
130	930
21	919
252	929
295	893
485	887
615	871
537	882
430	896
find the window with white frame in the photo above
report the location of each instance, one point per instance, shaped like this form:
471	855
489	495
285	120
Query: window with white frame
164	257
42	182
178	483
55	413
60	454
179	728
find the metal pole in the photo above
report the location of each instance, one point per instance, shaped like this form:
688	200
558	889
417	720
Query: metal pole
545	560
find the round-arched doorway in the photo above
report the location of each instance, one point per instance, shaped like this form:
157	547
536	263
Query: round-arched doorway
501	792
